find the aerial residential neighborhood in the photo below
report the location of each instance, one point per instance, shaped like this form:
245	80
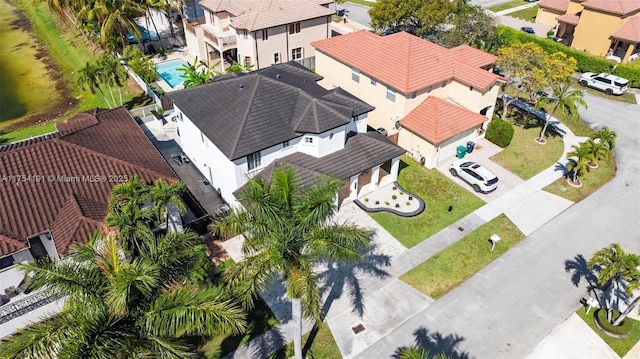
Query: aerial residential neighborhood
320	179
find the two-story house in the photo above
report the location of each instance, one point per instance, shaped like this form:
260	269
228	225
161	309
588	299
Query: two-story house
237	125
258	32
409	79
54	190
608	28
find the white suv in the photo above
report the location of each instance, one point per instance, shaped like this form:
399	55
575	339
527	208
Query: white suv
610	84
480	178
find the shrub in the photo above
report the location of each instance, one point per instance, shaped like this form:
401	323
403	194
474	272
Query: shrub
500	132
622	329
630	71
140	64
410	198
387	203
377	202
394	197
408	203
366	199
397	205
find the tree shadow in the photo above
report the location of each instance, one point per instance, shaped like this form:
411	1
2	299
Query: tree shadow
138	101
340	277
580	271
276	298
436	343
559	167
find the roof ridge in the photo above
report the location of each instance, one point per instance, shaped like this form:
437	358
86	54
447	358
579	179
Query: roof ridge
29	141
332	109
245	117
110	158
302	94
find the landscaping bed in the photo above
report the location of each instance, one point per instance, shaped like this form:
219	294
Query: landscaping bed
447	269
620	345
591	181
438	192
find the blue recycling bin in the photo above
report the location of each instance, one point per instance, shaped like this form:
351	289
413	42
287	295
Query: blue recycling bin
470	146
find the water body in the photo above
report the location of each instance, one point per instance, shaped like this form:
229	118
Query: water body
27	87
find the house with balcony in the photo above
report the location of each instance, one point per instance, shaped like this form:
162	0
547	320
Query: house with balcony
608	28
260	33
416	83
55	190
238	125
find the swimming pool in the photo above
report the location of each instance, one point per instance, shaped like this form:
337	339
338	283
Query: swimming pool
168	71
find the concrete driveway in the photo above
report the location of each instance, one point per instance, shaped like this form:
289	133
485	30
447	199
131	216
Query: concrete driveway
485	150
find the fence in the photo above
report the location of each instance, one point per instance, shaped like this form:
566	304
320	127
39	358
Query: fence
142	112
144	86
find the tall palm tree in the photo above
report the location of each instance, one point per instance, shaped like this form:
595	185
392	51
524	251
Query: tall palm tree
597	151
579	158
118	307
134	190
564	99
617	266
132	223
115	17
88	79
607	137
288	229
163	194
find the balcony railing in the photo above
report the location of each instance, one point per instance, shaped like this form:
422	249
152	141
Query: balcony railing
226	39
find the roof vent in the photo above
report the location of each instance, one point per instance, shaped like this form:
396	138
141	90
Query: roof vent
241	86
277	76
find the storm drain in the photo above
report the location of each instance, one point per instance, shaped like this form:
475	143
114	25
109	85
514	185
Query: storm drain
358	328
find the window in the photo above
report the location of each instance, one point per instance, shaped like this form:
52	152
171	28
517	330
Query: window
254	160
414	94
391	94
296	54
373	81
247	61
265	35
355	74
308	140
430	88
294	28
276	57
286	144
6	262
245	34
444	83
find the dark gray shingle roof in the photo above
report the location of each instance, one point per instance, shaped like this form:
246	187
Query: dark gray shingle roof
250	112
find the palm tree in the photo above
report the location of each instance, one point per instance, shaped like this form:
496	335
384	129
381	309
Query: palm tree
579	158
88	79
597	151
416	352
607	137
163	194
118	307
132	223
288	230
134	190
616	266
564	99
197	73
239	67
115	17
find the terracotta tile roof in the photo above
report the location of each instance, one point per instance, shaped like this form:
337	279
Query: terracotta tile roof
619	7
407	62
472	56
572	19
437	120
262	14
98	143
629	31
557	5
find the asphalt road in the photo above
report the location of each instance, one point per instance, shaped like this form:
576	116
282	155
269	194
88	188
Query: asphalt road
357	13
506	309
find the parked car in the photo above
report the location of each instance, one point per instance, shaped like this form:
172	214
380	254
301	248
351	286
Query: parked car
528	30
610	84
480	178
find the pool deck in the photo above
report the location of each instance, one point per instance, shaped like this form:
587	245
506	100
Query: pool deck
181	54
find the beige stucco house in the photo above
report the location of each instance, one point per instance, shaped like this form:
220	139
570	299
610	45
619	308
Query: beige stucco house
608	28
402	76
258	32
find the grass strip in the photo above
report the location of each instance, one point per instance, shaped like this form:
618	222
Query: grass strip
619	345
592	181
446	270
506	5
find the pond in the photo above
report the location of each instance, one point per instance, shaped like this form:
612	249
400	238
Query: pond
27	86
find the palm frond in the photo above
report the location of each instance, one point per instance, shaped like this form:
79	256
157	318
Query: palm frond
343	243
302	283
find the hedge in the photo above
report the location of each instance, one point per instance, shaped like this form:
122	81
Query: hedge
622	329
500	132
586	62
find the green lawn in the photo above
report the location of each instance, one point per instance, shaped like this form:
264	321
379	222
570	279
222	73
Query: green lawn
619	345
360	2
525	157
446	270
69	51
507	5
437	191
528	14
591	181
318	344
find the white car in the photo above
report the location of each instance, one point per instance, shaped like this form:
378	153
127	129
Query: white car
609	84
480	178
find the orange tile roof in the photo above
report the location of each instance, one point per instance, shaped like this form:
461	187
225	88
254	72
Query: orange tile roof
619	7
97	143
406	62
629	31
572	19
437	120
557	5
